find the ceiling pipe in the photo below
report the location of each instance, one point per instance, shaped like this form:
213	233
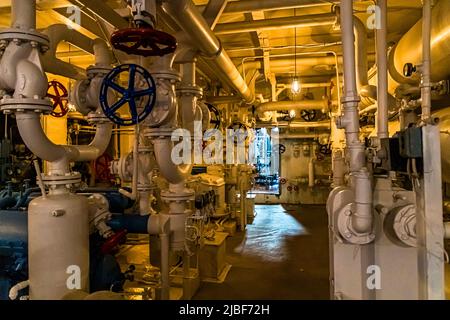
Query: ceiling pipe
293	105
426	62
247	6
313	20
58	33
191	21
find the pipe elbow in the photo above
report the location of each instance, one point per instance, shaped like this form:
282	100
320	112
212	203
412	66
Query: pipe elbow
174	174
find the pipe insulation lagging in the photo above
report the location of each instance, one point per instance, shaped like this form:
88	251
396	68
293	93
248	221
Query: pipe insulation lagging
362	218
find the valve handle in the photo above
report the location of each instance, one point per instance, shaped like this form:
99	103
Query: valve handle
216	115
59	96
140	101
308	115
146	42
282	148
112	242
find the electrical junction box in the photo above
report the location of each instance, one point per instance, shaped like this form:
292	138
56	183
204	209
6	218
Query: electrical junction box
410	143
209	182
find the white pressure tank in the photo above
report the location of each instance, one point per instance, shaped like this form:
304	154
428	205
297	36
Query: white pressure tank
58	245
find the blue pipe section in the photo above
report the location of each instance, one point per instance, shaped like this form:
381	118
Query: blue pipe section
7	202
131	223
13	231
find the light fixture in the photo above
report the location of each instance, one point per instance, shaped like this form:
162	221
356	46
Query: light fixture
295	86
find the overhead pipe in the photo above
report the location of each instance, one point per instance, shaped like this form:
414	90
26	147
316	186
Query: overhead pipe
23	14
382	74
313	20
247	6
192	22
293	105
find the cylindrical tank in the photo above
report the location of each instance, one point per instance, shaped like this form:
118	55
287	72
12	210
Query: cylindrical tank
409	48
58	245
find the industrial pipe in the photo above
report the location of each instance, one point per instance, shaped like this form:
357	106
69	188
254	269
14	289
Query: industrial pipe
23	14
191	21
426	62
293	105
313	20
382	73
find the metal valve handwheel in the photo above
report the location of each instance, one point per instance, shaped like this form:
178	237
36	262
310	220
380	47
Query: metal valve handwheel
308	115
282	148
59	97
215	119
146	42
140	101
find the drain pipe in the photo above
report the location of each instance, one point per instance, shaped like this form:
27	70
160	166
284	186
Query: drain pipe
361	219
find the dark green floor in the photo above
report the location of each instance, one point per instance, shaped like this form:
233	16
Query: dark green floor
283	255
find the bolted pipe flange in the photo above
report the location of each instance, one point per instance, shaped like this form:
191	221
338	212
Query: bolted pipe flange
9	105
172	76
155	133
345	228
178	196
93	71
97	118
195	91
69	179
20	36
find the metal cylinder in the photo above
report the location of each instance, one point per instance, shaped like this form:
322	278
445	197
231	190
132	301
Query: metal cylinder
58	248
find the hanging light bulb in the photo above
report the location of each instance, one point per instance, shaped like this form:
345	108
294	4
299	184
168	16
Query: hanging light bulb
295	86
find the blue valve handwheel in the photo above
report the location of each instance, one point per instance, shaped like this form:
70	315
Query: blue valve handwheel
130	95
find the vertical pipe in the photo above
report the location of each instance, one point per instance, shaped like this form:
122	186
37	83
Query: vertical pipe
165	281
426	64
381	50
23	14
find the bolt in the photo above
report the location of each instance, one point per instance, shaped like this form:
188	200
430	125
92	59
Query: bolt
34	44
347	234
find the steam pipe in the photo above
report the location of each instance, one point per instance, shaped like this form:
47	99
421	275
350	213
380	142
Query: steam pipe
293	105
426	62
382	74
23	14
191	21
174	174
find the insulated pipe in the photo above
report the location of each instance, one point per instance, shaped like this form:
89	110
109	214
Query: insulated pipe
174	174
294	105
247	6
304	124
191	21
311	179
382	73
23	14
361	53
313	20
349	120
426	62
56	34
98	145
362	218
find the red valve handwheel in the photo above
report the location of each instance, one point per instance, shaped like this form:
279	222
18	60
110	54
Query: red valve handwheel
101	167
112	242
283	181
289	188
145	42
59	97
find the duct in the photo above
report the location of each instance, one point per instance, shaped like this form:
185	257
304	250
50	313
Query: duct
313	20
190	20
